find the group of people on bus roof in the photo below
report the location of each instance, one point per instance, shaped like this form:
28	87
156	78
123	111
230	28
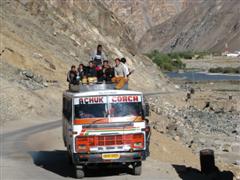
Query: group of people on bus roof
99	70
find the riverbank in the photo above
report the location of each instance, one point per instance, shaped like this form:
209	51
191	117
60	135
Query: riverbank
208	62
208	118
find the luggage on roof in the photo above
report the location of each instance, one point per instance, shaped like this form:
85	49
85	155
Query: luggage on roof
94	87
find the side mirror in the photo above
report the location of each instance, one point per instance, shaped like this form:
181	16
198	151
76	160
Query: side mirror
146	109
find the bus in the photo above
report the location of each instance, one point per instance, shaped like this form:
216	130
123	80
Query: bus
102	125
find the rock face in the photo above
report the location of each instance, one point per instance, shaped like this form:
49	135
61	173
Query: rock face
40	40
142	15
207	25
48	35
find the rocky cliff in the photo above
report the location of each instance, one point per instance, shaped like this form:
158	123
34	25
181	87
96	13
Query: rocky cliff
206	25
41	39
142	15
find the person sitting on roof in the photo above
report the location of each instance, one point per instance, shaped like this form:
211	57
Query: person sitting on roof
108	71
120	74
98	56
81	72
91	70
91	73
72	76
99	70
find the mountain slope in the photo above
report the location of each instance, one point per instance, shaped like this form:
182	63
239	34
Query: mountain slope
206	25
40	40
141	15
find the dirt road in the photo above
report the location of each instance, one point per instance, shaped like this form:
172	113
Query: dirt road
37	152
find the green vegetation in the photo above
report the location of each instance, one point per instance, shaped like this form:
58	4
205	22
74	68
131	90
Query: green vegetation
168	62
172	61
182	55
225	70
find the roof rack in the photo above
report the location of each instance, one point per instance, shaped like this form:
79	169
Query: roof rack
94	87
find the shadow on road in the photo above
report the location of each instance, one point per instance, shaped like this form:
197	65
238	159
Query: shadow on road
188	173
54	161
57	162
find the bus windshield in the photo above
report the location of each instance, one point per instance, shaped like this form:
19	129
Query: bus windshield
125	109
110	107
90	111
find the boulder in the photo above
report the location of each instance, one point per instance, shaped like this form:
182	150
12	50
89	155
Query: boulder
226	148
28	73
37	55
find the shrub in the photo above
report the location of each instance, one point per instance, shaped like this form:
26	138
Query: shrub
225	70
172	61
201	55
238	70
186	55
228	70
168	62
174	55
216	70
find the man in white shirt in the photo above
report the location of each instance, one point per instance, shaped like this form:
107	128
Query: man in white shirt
120	74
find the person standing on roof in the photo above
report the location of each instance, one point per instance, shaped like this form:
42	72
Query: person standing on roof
120	74
98	56
123	60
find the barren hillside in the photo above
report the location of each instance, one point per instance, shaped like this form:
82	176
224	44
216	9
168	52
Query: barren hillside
41	39
207	25
141	15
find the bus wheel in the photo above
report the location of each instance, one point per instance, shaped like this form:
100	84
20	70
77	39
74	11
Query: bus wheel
79	172
137	168
69	157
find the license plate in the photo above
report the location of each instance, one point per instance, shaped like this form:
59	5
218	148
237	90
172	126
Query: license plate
111	156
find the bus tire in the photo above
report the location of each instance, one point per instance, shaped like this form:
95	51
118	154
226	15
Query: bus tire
79	172
137	168
69	157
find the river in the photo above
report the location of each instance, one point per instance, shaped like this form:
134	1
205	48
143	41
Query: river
203	76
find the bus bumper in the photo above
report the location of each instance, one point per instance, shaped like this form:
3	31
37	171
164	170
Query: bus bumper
125	157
